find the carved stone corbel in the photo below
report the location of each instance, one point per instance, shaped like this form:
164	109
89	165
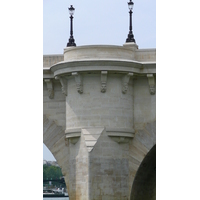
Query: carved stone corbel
79	82
121	135
125	81
49	83
72	136
103	81
63	83
151	81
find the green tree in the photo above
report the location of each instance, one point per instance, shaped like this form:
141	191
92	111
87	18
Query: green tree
51	172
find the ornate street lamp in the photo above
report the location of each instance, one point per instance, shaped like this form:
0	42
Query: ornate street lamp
130	35
71	39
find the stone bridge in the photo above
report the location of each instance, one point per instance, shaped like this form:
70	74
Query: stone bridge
100	120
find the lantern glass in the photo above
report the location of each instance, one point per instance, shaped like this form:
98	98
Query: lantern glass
71	10
130	5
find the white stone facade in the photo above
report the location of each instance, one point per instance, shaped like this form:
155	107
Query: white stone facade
99	116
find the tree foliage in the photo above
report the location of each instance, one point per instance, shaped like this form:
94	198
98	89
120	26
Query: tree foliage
51	172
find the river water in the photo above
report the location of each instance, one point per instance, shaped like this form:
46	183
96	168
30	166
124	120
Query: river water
58	198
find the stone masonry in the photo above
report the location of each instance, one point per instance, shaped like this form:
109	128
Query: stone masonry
100	120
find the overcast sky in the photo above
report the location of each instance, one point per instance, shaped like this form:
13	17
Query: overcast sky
96	22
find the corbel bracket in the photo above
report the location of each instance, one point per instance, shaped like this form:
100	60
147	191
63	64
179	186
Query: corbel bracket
72	136
121	135
125	81
79	82
103	81
49	83
151	81
63	83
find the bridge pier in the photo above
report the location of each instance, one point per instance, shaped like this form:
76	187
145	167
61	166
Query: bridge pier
101	172
99	126
103	126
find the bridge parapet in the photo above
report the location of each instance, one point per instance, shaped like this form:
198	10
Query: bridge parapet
146	55
98	52
49	60
101	52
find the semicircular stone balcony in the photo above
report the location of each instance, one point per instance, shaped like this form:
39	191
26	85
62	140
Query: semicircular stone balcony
125	58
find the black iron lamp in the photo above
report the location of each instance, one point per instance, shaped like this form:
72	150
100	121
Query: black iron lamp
130	35
71	39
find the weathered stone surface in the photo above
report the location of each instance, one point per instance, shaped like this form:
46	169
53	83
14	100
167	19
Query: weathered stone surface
101	128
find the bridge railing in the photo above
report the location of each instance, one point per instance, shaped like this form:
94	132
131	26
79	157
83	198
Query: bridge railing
49	60
146	55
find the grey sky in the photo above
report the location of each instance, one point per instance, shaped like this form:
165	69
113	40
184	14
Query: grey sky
96	22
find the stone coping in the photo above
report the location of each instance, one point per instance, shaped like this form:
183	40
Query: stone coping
119	66
112	132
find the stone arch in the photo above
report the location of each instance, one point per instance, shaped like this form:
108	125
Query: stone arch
52	133
140	146
54	139
144	184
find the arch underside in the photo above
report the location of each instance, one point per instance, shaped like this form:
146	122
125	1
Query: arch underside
142	182
54	139
144	185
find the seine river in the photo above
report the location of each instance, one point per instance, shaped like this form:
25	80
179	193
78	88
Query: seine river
58	198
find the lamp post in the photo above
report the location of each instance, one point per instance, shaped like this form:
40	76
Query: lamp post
71	39
130	35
